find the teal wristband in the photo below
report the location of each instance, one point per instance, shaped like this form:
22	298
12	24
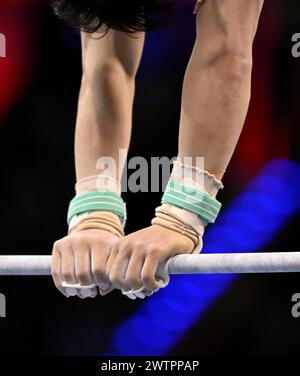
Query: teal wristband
97	201
189	198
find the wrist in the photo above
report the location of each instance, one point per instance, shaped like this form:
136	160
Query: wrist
97	205
189	203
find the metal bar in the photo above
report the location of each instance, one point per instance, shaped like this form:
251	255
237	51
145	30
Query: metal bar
283	262
25	265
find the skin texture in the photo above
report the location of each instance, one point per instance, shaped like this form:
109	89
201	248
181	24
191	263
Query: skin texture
81	257
217	84
103	127
215	101
104	119
134	260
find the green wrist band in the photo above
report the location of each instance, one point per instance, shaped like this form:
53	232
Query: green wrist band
189	198
97	201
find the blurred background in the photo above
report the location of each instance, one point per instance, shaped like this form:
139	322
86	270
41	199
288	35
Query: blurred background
195	315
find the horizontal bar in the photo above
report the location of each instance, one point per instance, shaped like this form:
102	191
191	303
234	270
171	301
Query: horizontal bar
236	263
283	262
25	265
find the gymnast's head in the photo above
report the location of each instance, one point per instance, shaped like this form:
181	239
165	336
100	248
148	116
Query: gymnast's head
129	16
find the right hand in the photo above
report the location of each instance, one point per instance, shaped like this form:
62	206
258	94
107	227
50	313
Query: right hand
81	257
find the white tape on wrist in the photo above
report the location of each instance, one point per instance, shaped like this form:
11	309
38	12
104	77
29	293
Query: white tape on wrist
202	180
100	183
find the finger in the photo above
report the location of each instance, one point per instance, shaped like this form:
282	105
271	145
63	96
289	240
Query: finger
134	270
82	292
139	295
99	261
57	272
87	293
129	294
68	266
142	293
83	271
118	270
107	291
94	292
83	266
148	274
98	265
111	259
148	293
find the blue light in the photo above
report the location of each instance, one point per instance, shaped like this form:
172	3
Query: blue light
250	222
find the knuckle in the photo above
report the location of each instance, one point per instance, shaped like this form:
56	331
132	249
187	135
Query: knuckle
113	249
115	280
148	280
55	253
79	241
125	250
82	275
68	276
139	245
153	251
81	252
98	270
60	245
55	275
56	246
132	281
55	270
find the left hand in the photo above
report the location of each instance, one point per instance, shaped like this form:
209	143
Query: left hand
134	260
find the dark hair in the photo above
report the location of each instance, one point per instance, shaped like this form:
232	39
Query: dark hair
128	16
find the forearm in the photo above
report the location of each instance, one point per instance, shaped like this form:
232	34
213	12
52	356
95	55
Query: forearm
104	119
214	110
217	83
105	102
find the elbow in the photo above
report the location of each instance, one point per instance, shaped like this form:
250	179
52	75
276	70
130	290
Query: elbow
231	62
113	70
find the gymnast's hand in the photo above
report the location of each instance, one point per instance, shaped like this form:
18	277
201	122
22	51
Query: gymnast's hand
134	259
81	257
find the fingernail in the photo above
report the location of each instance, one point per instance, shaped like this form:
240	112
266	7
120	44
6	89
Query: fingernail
103	286
129	294
138	290
125	292
103	293
140	295
161	283
86	293
71	291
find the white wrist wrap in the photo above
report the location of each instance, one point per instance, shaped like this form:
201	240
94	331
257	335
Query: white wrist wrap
185	174
99	183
